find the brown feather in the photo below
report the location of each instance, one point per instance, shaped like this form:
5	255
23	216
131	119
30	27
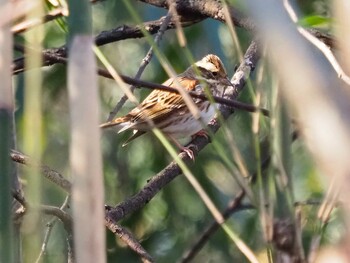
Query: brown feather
115	122
158	104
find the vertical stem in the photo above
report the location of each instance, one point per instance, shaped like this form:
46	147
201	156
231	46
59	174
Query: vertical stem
32	141
85	152
6	111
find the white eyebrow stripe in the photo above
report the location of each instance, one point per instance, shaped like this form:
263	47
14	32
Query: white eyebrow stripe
207	65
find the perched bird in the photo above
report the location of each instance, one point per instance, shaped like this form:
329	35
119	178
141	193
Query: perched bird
169	112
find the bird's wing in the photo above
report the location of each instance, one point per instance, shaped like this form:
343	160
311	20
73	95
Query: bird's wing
158	104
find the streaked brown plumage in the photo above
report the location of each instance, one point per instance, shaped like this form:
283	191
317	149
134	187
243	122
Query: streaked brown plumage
169	112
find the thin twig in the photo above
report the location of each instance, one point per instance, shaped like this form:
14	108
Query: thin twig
327	52
50	226
146	84
233	206
146	60
49	173
56	178
65	218
129	239
117	34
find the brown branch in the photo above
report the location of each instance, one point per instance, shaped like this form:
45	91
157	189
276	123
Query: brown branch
214	9
233	206
49	228
146	60
128	238
149	85
50	174
206	8
49	210
190	12
59	180
173	170
60	214
51	55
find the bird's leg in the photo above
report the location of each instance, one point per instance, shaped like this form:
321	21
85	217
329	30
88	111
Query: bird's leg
187	150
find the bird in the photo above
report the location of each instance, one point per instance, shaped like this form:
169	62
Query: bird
168	111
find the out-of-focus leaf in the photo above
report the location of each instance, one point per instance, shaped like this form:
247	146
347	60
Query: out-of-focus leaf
315	21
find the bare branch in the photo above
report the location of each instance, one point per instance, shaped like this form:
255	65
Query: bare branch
143	65
50	174
141	83
50	226
233	206
170	172
128	238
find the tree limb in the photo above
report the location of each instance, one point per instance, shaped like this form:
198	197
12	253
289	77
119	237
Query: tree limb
170	172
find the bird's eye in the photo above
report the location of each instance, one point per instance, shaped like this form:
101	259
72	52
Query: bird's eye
215	73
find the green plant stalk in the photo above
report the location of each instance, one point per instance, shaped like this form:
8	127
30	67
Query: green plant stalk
32	136
284	192
6	225
80	23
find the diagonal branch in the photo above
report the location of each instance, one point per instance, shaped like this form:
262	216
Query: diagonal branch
173	170
146	60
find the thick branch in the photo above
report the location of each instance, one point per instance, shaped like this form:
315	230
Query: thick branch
172	170
207	8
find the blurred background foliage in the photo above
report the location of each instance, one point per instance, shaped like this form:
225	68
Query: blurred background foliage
173	220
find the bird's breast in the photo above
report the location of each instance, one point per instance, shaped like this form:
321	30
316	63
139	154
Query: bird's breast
185	124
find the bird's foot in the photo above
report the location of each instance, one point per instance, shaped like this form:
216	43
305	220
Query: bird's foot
202	133
188	151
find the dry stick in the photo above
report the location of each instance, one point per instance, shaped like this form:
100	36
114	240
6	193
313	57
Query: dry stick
206	8
117	34
50	174
146	60
59	180
146	84
329	55
50	226
227	102
209	231
127	237
49	210
170	172
233	206
191	12
224	101
215	10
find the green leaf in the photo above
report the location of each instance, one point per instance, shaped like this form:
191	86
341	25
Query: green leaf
315	20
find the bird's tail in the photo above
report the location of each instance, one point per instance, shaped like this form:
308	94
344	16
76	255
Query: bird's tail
114	122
